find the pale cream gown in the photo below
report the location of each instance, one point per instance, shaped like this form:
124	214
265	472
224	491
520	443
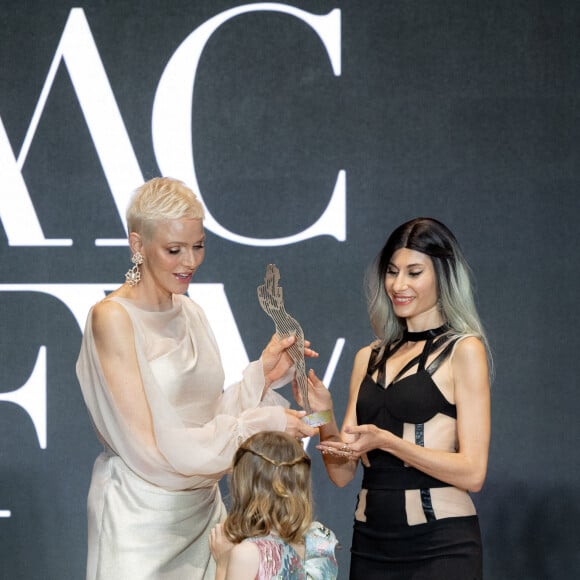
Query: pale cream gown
150	510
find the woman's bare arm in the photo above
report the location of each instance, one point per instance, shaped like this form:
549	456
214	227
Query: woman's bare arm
115	343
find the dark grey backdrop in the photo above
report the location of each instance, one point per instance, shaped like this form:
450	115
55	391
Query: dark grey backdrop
465	111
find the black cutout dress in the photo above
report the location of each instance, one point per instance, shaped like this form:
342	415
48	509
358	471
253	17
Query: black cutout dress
409	525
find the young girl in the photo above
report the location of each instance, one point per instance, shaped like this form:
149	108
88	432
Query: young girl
269	532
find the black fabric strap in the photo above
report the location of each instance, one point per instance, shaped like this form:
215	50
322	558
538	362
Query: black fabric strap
426	502
442	356
409	336
397	478
425	354
379	363
427	505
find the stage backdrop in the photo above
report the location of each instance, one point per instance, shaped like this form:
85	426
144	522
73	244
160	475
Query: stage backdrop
310	130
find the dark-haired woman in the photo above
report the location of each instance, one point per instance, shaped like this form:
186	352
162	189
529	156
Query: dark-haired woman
418	415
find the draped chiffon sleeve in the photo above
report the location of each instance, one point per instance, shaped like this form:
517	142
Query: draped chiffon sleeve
197	426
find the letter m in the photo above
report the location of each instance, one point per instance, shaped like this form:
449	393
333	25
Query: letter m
79	53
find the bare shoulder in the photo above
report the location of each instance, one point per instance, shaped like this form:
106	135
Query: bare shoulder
470	368
469	350
359	370
108	313
361	363
244	560
363	355
110	322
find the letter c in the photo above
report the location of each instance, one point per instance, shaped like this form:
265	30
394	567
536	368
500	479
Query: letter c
172	119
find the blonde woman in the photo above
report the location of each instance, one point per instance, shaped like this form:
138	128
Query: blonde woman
152	379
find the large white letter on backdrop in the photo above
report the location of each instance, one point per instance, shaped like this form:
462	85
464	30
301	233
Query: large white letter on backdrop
172	118
77	50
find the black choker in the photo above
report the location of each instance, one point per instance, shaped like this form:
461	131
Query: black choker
424	334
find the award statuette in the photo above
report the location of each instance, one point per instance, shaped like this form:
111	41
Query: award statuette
272	302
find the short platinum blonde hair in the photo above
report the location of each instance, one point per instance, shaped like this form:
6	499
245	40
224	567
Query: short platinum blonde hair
159	199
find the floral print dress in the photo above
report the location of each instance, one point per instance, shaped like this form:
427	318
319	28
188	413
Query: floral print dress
280	561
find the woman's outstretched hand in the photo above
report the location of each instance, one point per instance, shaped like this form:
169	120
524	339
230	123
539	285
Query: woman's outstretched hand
276	361
367	438
318	395
296	427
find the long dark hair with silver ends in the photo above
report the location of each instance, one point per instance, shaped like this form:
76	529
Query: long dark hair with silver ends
454	289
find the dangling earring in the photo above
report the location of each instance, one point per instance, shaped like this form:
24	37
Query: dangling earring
133	275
